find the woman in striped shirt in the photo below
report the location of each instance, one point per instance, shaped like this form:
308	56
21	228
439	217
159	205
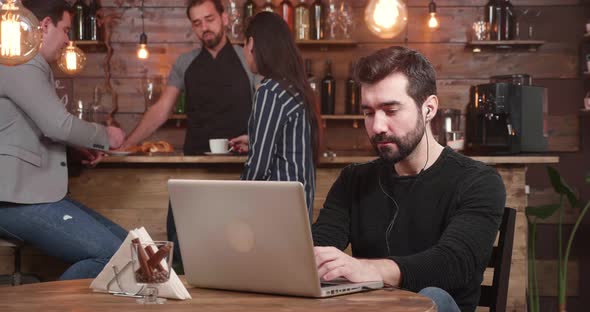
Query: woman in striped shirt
283	138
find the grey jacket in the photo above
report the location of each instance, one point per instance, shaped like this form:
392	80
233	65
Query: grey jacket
35	127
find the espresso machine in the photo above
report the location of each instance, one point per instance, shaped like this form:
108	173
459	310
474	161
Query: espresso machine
506	118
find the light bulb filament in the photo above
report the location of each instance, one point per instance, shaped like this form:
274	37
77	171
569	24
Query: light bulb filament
142	52
433	22
11	36
71	60
386	13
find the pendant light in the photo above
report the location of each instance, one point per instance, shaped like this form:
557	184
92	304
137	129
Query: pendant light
386	18
72	60
432	21
20	34
142	51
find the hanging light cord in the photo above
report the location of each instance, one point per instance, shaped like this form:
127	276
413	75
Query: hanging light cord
142	22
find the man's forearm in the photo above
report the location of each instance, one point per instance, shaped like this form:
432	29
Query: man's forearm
150	122
388	269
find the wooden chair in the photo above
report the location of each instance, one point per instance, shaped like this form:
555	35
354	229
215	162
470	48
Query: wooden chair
16	278
495	296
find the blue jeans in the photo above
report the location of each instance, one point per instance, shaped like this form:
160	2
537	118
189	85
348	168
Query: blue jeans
66	230
444	302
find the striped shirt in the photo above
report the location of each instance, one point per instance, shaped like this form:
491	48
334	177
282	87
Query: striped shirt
280	147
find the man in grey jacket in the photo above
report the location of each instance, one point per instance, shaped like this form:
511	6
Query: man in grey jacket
35	129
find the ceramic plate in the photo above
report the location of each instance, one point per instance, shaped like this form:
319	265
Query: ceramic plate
118	153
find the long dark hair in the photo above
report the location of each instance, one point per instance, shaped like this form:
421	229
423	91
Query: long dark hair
277	57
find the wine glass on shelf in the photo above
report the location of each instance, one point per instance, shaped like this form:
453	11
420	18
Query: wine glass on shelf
331	20
346	19
234	26
151	263
152	89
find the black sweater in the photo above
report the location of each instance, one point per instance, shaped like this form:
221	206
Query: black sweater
447	220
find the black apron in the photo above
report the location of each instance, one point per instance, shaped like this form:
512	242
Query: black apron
218	99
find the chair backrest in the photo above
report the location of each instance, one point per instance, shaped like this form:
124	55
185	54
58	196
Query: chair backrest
495	296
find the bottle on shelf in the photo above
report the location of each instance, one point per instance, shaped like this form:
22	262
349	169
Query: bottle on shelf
491	19
80	11
353	94
92	29
302	21
311	79
328	91
249	9
180	103
505	14
288	14
268	7
317	20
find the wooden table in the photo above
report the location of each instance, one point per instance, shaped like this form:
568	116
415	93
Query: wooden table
76	296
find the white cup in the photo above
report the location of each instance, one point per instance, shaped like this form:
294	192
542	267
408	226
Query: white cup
219	146
588	28
587	103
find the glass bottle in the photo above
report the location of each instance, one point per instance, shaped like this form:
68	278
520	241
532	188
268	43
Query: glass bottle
505	18
311	79
248	9
92	28
288	13
353	94
268	7
80	11
328	91
491	18
180	104
317	20
302	21
313	83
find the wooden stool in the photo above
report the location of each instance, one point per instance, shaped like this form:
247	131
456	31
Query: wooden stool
16	278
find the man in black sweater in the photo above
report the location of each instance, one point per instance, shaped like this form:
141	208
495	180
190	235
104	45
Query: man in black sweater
421	217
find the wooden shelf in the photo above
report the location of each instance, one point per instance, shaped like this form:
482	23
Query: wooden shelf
331	43
322	44
177	117
343	117
91	46
530	45
584	111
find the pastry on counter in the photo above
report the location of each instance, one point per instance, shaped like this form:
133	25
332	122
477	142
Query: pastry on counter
152	147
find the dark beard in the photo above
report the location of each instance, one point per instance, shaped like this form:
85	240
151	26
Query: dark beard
405	145
211	44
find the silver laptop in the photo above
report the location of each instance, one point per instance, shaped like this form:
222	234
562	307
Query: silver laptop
249	236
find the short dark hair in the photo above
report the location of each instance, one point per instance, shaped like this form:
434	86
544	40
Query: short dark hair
417	69
192	3
48	8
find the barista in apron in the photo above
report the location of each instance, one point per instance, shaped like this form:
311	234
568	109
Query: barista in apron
218	99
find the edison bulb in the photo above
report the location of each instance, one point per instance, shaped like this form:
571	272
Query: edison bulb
20	34
72	60
142	50
433	22
386	18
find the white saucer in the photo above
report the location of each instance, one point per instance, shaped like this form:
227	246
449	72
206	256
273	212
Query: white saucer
219	154
118	153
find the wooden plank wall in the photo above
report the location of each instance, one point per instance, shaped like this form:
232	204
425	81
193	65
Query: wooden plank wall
561	24
169	35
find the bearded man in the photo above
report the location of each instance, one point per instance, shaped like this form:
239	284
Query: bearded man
216	82
218	89
421	217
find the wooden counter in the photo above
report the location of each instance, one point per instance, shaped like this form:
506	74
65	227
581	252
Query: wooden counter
132	191
162	159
